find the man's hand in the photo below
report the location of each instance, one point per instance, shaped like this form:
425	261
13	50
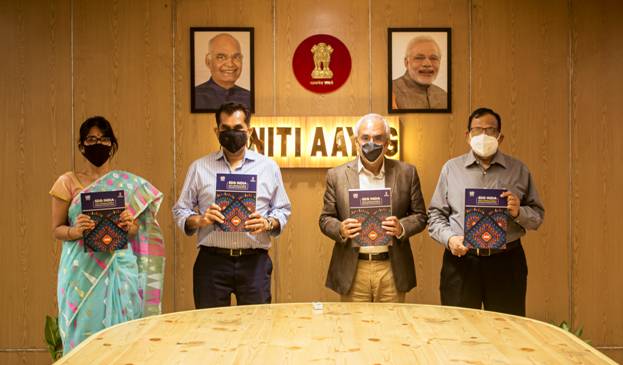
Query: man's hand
391	226
350	228
513	203
212	215
256	223
455	244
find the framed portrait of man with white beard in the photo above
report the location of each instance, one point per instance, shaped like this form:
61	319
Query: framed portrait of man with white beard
419	70
221	68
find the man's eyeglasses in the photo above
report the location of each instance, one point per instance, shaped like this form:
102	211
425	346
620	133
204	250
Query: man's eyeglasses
91	140
491	131
378	139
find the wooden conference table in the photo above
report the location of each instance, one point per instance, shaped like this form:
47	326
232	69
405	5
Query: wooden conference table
342	333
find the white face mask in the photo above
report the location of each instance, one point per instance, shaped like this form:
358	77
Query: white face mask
484	145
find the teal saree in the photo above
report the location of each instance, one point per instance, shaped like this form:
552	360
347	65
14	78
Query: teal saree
98	289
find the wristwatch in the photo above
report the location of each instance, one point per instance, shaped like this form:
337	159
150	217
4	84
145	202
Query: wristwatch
270	224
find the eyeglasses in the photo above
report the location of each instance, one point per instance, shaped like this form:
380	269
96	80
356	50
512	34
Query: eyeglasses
91	140
491	131
221	57
378	139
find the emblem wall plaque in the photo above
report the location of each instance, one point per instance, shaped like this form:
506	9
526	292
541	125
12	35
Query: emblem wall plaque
321	63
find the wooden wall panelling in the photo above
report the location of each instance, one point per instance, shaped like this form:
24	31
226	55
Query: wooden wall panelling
194	133
597	174
519	60
35	144
303	252
26	358
428	139
123	71
345	20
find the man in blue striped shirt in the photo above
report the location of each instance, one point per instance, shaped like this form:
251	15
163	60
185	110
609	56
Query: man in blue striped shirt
232	262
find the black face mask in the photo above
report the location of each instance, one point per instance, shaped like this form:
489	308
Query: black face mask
371	151
97	154
233	140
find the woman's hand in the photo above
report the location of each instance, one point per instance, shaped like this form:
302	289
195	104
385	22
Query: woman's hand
128	223
83	223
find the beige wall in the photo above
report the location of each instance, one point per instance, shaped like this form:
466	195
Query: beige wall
552	69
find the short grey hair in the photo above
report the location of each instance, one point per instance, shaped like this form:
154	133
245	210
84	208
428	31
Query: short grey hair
421	39
371	117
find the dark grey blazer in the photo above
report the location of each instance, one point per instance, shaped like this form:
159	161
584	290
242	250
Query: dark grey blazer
407	205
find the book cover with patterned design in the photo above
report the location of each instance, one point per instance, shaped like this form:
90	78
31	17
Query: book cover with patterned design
370	207
235	194
104	207
486	218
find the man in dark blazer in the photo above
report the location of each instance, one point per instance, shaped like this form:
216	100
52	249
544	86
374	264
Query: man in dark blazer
372	273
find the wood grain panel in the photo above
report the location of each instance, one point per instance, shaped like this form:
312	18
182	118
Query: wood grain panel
26	358
194	133
36	149
345	20
616	354
302	251
123	71
527	83
429	140
597	174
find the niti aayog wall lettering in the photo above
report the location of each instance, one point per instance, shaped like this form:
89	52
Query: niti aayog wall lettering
313	141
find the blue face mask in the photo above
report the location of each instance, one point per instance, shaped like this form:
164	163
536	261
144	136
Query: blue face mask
371	151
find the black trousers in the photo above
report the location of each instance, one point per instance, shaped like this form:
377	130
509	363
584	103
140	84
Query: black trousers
497	282
217	276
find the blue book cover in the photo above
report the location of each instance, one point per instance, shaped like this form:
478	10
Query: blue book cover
104	207
235	194
370	207
486	218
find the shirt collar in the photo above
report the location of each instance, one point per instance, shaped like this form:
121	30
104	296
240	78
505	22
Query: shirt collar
498	158
248	155
361	168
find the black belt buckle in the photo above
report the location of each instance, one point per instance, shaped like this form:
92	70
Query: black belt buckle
381	256
235	253
483	250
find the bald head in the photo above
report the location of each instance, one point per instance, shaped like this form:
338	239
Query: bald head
372	120
224	59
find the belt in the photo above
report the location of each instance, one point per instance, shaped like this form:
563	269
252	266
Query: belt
233	252
374	256
492	251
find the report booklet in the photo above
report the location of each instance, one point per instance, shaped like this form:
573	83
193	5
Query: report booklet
371	207
486	218
104	207
235	194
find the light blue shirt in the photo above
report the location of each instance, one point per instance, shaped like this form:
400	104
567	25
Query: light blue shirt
199	190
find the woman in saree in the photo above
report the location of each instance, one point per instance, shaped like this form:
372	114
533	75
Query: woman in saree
99	289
